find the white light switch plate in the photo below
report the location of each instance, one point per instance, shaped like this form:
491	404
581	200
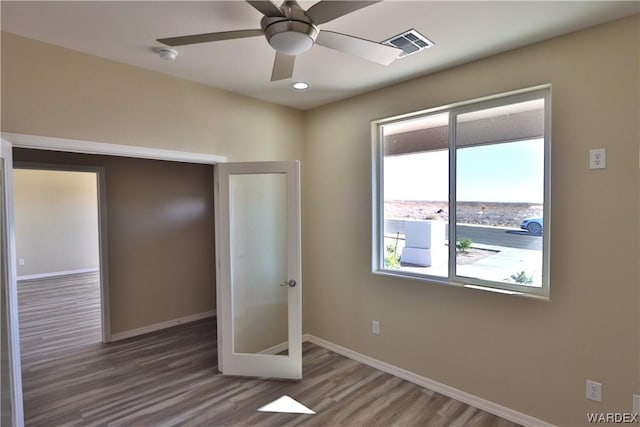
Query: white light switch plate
375	327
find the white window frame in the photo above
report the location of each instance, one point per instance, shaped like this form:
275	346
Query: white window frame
377	246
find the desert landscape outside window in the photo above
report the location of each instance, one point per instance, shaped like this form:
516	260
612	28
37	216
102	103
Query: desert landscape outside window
461	195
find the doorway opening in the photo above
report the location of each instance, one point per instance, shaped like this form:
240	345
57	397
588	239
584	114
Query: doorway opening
58	248
68	148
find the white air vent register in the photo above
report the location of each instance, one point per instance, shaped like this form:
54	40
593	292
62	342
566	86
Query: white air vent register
410	42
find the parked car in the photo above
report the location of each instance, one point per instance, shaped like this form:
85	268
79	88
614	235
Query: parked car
532	225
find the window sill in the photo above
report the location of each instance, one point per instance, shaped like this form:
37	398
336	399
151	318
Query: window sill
458	284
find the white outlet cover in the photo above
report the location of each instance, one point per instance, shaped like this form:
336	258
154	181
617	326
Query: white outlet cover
598	158
594	391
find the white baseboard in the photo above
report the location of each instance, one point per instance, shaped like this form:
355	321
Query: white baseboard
454	393
162	325
56	273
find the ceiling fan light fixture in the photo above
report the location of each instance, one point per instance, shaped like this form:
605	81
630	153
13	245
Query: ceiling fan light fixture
291	30
291	37
300	85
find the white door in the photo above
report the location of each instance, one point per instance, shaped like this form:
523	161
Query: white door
259	298
10	372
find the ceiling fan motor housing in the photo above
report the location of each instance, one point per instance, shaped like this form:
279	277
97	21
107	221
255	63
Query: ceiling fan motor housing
293	34
291	37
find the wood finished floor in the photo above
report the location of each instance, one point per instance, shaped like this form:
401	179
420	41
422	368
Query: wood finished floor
170	378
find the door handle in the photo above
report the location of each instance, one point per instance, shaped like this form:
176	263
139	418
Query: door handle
291	283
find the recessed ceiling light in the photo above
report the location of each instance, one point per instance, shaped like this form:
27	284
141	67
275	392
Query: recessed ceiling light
300	85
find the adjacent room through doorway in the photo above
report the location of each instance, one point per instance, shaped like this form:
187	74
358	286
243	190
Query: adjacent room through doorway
58	260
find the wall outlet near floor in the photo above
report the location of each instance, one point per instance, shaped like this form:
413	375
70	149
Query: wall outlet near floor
375	327
21	261
636	403
594	391
598	158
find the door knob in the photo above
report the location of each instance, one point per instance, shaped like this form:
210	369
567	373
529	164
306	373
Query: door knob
291	283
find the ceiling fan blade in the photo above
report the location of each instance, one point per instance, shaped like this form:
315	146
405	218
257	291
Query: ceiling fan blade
367	49
266	8
328	10
210	37
282	67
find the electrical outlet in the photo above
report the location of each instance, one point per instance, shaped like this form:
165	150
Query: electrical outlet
375	327
598	158
21	261
636	403
594	391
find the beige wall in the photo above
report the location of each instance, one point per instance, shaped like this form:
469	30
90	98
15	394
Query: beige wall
56	220
50	91
528	355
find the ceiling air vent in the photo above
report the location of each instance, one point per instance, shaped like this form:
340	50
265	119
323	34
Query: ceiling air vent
410	42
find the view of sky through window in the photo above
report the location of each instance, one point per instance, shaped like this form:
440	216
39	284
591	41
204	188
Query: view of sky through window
510	172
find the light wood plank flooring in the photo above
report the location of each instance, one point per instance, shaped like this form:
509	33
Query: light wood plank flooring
170	378
58	315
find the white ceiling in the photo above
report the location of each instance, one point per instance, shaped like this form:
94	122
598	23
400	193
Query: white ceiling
125	31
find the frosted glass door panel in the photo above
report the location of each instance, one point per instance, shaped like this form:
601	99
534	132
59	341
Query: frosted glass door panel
258	243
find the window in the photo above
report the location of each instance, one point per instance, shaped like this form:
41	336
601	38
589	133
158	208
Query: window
461	194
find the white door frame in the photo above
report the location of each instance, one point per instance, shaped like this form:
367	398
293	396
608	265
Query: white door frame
13	327
14	140
36	142
102	232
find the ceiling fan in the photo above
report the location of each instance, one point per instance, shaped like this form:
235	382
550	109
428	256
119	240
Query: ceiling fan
291	30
